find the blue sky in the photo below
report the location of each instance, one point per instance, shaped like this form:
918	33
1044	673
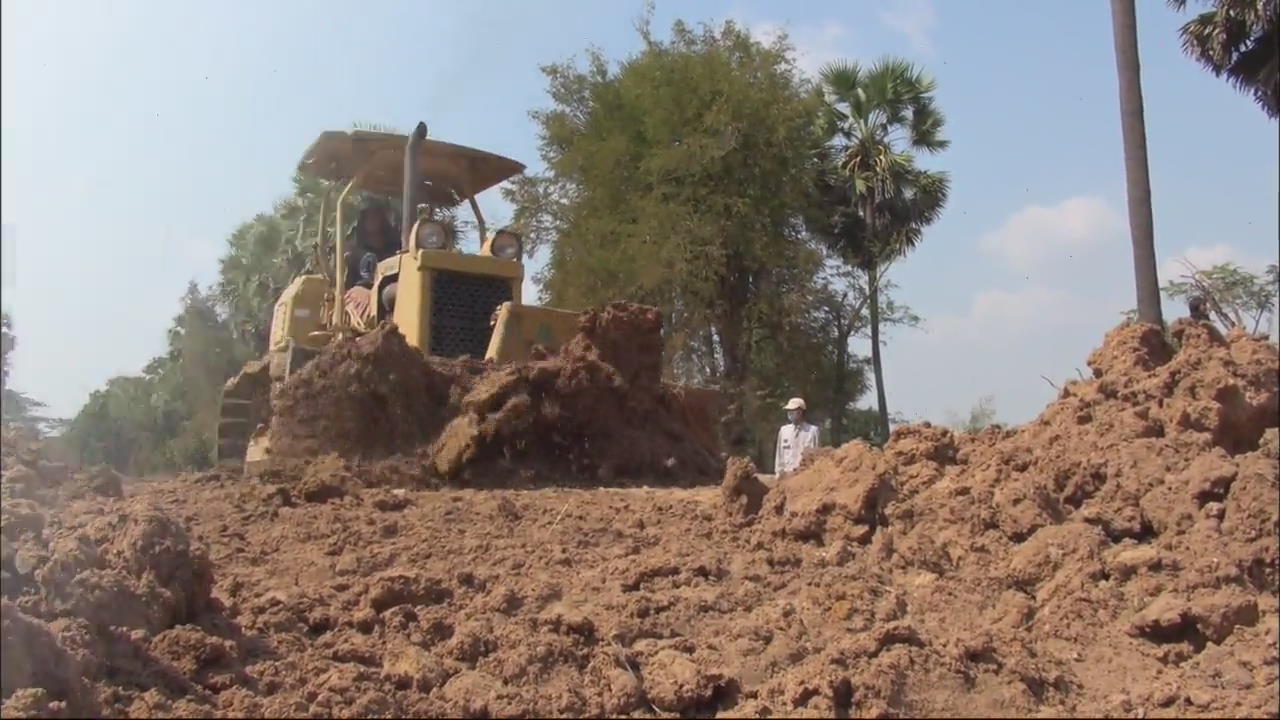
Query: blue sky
137	135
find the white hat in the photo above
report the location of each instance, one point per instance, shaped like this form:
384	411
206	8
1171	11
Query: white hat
794	404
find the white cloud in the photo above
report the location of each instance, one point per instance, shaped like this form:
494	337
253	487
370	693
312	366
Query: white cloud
1018	310
1005	344
1036	235
815	44
1204	257
914	19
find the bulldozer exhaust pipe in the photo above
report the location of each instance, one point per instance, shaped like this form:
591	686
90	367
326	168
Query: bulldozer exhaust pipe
408	198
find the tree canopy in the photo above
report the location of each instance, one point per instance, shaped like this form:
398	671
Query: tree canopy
681	177
1235	296
1238	40
875	201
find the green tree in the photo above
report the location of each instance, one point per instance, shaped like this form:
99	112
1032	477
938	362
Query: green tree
864	424
877	200
981	415
1235	296
262	258
679	179
1238	39
841	315
164	418
1124	26
16	407
120	426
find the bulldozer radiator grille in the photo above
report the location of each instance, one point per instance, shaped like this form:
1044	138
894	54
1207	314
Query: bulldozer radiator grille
461	306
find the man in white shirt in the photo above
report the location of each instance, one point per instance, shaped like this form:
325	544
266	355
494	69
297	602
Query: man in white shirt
793	438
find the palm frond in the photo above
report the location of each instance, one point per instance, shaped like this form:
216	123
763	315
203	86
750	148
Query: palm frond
841	78
1238	40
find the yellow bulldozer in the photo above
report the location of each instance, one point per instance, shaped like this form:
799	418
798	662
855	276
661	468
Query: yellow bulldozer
445	302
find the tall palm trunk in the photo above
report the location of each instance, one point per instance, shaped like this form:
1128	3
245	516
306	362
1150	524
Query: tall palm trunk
838	391
1124	26
872	266
882	406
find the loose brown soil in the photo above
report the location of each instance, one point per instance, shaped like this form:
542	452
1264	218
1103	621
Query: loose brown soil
1115	557
596	412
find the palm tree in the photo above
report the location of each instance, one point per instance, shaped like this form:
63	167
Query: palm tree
1241	40
1124	26
878	117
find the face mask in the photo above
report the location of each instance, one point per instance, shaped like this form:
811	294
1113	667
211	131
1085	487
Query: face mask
793	416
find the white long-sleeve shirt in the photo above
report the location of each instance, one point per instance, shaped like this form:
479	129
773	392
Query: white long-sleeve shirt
793	440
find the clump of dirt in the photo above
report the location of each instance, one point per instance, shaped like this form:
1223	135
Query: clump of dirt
27	472
369	398
136	569
99	480
19	446
89	579
741	488
597	409
39	677
626	337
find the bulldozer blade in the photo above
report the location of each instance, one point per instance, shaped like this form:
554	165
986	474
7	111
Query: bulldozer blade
257	453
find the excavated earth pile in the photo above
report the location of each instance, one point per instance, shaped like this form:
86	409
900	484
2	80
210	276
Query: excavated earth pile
1115	557
372	397
598	409
594	412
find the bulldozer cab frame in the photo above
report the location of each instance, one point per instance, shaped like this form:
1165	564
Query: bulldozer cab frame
427	175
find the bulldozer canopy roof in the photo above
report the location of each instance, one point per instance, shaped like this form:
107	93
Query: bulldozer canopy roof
450	173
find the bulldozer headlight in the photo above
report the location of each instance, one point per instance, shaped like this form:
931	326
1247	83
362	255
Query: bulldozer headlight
506	245
432	236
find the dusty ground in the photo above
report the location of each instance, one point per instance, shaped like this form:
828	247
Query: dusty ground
1117	557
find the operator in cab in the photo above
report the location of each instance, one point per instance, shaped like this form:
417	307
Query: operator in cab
374	239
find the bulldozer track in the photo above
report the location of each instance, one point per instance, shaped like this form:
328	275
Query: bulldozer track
245	406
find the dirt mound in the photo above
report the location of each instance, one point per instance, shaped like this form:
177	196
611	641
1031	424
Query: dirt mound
1115	557
369	398
595	411
1118	553
627	338
40	678
27	472
90	586
89	580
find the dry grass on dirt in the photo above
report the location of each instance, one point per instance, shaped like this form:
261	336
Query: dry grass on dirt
1117	556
